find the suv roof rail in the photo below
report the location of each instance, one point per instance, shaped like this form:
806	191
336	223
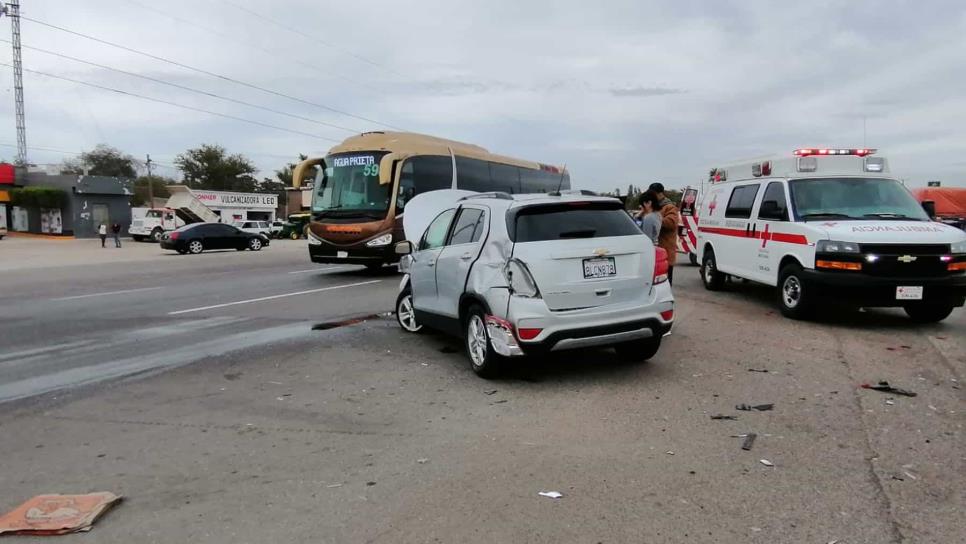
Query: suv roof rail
580	192
493	194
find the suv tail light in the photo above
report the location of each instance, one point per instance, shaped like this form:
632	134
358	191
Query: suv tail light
660	265
520	280
173	236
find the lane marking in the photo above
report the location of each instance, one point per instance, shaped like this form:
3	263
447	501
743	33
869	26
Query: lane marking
318	269
45	349
75	297
273	297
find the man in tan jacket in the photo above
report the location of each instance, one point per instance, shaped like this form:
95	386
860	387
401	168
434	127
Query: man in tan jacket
668	238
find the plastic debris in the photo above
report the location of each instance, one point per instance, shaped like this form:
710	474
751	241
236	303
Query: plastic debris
490	392
551	494
766	462
723	416
759	407
57	514
333	486
764	370
749	440
669	452
422	461
890	402
884	387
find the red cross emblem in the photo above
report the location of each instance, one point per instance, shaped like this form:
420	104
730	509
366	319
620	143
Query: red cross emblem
714	203
830	224
765	236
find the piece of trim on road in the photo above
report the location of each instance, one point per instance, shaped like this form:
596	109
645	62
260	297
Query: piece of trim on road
317	269
273	297
75	297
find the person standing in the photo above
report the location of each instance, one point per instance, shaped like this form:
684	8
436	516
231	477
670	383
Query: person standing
116	229
668	237
102	232
650	216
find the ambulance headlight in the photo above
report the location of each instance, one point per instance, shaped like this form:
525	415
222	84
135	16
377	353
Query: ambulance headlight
831	246
958	247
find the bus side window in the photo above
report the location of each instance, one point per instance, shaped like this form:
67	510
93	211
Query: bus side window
432	172
407	187
473	175
504	178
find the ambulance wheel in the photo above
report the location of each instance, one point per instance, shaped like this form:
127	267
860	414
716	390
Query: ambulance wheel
794	297
693	257
710	277
156	235
641	350
928	313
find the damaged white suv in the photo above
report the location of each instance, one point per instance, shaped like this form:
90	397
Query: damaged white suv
524	274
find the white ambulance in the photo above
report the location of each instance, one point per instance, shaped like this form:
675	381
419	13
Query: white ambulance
830	224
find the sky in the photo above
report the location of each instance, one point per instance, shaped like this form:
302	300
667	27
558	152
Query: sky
620	91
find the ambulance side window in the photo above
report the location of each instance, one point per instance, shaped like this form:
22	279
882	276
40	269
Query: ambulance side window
741	201
773	205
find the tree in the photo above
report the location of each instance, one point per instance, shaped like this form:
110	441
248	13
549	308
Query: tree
105	160
285	174
158	183
71	167
211	167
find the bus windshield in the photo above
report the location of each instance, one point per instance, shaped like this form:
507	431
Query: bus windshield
854	199
349	187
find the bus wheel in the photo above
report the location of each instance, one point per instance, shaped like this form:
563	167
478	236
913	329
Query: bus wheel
710	277
928	313
794	297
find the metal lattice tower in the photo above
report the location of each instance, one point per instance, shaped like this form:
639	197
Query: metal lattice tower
12	10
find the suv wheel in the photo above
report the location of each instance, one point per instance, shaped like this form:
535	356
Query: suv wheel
195	247
405	314
254	244
794	296
485	362
710	277
928	313
639	350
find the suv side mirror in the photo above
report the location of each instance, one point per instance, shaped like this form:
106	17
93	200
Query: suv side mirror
404	248
930	207
770	210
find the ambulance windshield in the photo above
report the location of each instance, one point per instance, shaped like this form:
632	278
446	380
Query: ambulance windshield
854	199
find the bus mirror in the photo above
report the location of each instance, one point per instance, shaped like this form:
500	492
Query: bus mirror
303	168
385	168
404	248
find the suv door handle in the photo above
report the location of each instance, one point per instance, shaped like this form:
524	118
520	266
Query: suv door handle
431	264
467	256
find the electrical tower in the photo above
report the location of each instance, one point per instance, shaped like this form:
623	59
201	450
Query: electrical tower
12	10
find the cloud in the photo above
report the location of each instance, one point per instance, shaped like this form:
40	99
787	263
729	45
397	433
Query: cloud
643	91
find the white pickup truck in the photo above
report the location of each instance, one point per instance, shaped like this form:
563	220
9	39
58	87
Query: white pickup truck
151	223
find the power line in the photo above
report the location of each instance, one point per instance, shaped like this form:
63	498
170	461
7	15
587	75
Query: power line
183	87
177	105
205	72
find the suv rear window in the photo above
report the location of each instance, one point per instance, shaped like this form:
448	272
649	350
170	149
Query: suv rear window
570	221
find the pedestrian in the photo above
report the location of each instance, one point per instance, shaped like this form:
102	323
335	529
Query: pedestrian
650	216
102	232
116	229
668	237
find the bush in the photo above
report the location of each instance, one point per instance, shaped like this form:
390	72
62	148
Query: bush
38	197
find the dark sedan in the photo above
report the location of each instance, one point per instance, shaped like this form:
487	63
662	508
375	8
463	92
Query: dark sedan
198	237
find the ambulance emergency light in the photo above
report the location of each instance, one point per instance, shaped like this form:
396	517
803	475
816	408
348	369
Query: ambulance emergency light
807	152
808	158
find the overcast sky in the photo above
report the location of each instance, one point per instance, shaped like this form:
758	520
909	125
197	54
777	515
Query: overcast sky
621	91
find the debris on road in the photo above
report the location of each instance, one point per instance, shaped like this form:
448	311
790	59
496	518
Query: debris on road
763	370
884	387
490	392
758	407
723	416
551	494
333	486
422	461
890	402
57	514
749	440
766	462
669	452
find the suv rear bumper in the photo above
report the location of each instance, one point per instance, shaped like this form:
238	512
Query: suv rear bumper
876	291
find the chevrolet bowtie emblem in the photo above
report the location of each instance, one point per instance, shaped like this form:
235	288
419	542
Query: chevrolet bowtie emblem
601	252
907	258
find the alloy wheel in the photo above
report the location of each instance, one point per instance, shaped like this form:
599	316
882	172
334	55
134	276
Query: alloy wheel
476	340
406	314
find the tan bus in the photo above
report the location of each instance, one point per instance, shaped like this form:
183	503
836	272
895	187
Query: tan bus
363	184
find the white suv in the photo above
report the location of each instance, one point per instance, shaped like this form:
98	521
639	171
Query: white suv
256	227
516	275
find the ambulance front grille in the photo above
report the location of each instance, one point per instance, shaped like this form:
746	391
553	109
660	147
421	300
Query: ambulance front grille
905	249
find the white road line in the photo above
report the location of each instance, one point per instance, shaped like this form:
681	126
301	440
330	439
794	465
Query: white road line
109	293
45	349
272	297
318	269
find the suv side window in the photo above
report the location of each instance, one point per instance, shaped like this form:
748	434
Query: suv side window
436	232
773	205
741	201
467	225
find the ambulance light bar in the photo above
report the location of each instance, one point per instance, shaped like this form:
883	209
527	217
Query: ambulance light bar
806	152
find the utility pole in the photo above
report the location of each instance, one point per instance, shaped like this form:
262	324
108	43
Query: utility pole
150	183
12	10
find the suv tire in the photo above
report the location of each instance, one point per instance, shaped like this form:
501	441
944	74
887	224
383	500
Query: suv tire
405	313
484	361
638	350
712	279
794	296
928	313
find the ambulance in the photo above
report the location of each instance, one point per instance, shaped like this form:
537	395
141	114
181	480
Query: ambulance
688	224
829	225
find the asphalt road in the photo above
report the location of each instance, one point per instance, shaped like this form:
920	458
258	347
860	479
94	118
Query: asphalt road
365	434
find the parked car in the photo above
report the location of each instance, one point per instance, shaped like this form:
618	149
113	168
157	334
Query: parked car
198	237
256	227
517	275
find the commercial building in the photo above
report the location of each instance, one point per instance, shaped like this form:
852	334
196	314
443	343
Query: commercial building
232	207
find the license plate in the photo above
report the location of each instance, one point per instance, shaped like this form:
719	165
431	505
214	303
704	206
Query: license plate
600	268
906	292
342	254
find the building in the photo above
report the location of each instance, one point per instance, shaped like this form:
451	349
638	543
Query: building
233	207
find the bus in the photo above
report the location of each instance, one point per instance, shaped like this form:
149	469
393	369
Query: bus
361	188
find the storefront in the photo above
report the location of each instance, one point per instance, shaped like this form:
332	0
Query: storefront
234	207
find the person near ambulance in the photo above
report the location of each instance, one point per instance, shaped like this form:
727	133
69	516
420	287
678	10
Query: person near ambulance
650	215
668	238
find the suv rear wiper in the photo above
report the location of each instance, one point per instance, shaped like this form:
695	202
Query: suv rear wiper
807	216
586	233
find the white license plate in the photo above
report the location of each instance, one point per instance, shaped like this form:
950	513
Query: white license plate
907	292
600	268
342	254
